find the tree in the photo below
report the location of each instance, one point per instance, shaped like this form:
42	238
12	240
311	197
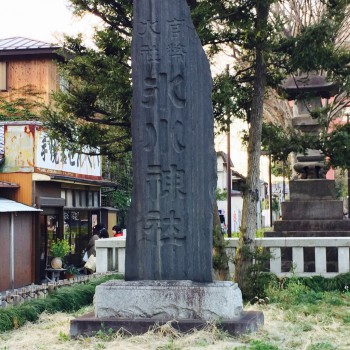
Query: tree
266	49
270	54
93	107
334	144
120	172
21	104
251	195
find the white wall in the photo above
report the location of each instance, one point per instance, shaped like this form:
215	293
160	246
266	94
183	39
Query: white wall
236	211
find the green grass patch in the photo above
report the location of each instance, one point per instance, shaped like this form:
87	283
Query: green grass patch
259	345
321	346
64	299
305	298
319	284
317	290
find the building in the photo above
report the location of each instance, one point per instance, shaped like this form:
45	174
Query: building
65	187
16	249
238	176
237	180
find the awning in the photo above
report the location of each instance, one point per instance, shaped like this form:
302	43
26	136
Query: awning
4	184
78	180
7	205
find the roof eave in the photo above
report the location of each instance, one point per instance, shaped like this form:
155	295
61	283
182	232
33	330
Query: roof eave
30	52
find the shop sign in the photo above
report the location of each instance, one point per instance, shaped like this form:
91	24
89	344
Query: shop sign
49	155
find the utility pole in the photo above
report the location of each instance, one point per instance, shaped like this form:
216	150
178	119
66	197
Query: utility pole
229	181
347	120
270	189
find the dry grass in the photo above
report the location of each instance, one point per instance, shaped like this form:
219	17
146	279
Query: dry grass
283	330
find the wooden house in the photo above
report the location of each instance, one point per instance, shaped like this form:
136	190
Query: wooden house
17	258
65	187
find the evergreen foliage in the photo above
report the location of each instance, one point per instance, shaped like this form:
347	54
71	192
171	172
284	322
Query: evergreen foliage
220	259
120	172
294	289
24	103
95	108
335	144
322	284
65	299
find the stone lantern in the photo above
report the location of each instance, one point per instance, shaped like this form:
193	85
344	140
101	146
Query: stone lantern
313	209
312	196
307	92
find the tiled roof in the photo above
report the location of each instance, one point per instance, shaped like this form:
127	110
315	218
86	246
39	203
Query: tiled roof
20	43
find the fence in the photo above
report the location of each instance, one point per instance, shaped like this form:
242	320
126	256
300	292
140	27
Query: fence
33	291
110	255
303	256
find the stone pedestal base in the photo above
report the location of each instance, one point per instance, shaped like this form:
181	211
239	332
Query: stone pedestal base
312	189
138	305
168	300
312	211
88	325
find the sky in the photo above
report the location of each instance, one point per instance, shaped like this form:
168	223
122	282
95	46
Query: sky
43	20
47	20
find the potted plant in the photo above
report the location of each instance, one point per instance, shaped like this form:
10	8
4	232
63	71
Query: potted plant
59	249
71	271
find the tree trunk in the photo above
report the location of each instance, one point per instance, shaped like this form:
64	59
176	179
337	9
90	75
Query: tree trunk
220	259
244	257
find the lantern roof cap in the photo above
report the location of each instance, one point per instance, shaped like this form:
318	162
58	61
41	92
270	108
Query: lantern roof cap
311	83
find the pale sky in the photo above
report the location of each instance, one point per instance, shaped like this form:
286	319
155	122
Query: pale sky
47	20
43	20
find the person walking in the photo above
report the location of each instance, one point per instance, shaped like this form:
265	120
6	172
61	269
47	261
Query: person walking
91	245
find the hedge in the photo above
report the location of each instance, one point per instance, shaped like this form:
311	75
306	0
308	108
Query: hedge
65	299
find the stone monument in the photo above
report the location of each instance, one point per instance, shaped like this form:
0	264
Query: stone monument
168	269
174	161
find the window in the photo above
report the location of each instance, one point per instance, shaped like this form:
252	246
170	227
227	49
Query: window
3	76
77	201
83	199
90	204
96	199
63	195
63	83
69	198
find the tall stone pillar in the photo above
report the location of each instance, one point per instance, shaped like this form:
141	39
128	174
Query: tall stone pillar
168	272
174	164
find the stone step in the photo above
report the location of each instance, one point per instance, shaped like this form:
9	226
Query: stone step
312	225
89	325
327	233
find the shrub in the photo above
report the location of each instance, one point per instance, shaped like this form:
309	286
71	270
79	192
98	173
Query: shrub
60	248
66	299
